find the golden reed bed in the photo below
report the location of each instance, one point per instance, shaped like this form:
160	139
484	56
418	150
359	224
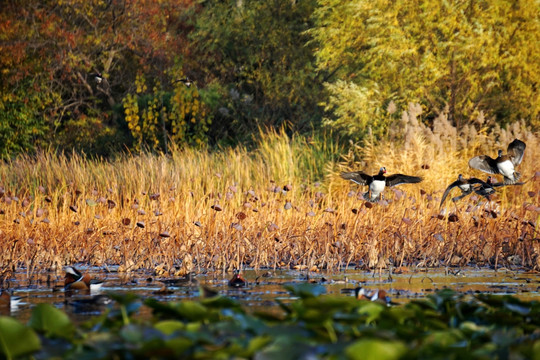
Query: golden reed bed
194	210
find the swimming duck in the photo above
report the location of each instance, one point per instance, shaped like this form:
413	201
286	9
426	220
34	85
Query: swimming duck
237	281
8	300
75	280
377	183
503	164
377	295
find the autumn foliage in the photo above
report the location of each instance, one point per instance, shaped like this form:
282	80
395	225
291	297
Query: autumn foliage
67	66
100	76
156	91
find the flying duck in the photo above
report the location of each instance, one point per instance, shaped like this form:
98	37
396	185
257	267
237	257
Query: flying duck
467	186
488	188
187	81
378	182
503	164
97	77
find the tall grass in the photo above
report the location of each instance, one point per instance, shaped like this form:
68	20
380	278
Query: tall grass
280	205
440	152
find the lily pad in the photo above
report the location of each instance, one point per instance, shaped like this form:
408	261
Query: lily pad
51	321
306	290
375	349
16	339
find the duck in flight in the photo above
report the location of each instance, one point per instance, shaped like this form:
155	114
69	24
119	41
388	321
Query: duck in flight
468	186
377	183
504	164
186	81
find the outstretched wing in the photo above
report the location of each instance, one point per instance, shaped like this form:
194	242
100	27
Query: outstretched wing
484	163
396	179
515	151
501	184
484	190
358	177
447	191
473	181
457	198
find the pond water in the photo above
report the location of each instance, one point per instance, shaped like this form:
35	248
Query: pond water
265	286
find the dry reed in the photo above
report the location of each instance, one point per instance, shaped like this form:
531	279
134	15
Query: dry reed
197	210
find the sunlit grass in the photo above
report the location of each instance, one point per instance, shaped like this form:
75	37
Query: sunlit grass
282	204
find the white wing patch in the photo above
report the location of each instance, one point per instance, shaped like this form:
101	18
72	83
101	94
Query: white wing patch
506	168
377	187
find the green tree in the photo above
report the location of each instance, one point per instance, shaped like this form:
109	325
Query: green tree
465	56
20	127
257	57
158	115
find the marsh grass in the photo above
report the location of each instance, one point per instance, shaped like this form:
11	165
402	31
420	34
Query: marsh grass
280	205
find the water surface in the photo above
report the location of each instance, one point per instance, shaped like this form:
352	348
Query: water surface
265	286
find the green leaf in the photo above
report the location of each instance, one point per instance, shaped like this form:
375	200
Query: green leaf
51	321
192	310
286	348
133	334
221	302
179	344
16	339
255	344
331	303
124	299
306	290
375	349
372	309
169	326
444	338
469	327
536	350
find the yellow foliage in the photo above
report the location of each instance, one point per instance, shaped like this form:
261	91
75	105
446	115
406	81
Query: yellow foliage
478	56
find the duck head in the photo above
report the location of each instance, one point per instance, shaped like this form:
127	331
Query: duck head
72	274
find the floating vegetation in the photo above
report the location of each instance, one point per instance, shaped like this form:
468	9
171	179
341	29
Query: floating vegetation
444	325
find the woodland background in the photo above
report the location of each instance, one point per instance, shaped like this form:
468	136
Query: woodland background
345	68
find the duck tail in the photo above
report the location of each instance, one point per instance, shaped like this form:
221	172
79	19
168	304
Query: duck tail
508	181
